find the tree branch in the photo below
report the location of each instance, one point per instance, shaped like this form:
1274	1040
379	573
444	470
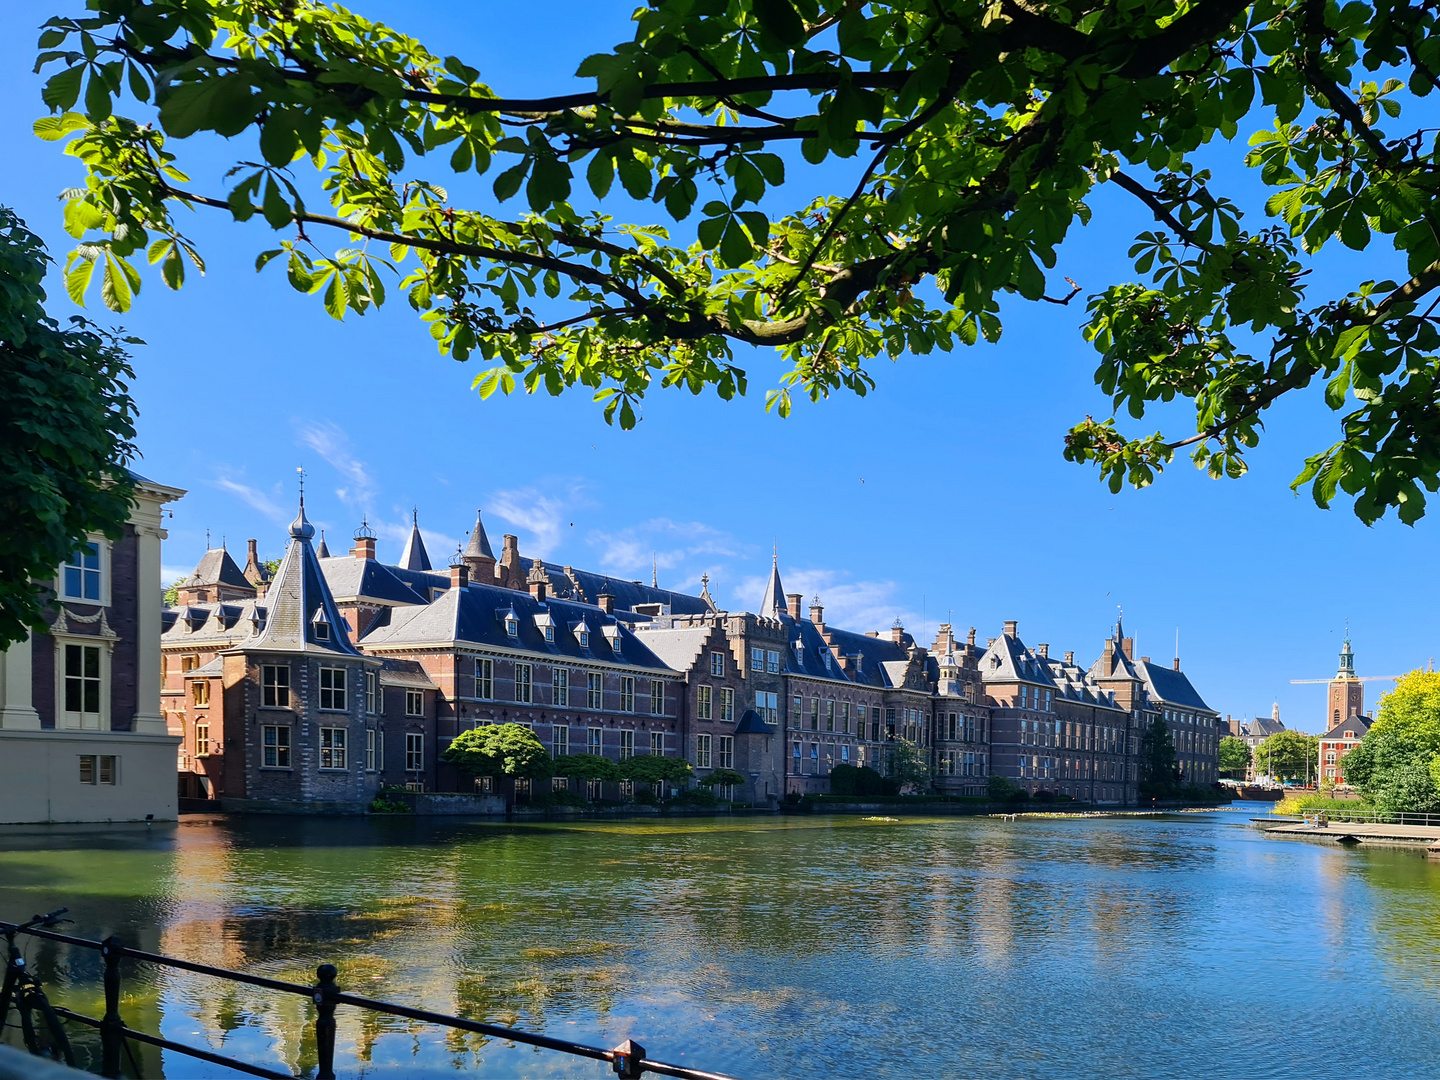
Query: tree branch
1161	211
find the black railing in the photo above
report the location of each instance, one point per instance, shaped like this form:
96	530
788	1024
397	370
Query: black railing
626	1060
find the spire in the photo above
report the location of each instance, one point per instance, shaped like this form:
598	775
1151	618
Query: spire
300	528
479	546
1347	659
322	552
414	557
301	615
705	592
773	605
654	570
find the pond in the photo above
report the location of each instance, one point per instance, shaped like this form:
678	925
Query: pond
767	947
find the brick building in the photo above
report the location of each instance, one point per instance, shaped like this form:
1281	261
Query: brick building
1339	741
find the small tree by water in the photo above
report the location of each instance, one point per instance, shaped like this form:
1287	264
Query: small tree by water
1234	757
500	750
1159	770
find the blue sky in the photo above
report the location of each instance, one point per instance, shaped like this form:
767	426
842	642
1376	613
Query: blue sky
943	495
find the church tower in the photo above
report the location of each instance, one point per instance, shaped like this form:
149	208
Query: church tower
1347	693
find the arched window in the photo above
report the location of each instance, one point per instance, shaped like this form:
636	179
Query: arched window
1337	716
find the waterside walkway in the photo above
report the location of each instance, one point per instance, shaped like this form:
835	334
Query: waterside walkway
1346	831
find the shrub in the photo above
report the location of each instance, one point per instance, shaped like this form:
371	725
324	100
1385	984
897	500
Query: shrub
551	799
1044	796
382	805
1001	787
645	795
703	797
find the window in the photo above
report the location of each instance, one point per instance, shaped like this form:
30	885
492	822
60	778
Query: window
772	661
414	702
627	744
796	752
369	749
332	689
703	696
484	678
615	641
592	789
815	714
549	633
560	679
414	751
202	740
560	738
584	639
657	697
275	686
767	706
1047	700
845	716
522	683
830	715
559	783
757	659
717	664
80	577
200	691
189	663
99	769
627	694
727	751
702	751
845	753
797	709
595	741
1024	697
275	743
372	681
657	743
322	628
595	695
332	747
512	626
727	704
82	680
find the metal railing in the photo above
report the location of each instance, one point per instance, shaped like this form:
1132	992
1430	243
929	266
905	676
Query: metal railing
626	1060
1363	817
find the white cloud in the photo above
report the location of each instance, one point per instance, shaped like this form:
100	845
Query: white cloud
855	605
254	498
171	574
329	440
543	517
667	544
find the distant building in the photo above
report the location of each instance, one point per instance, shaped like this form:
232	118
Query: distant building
82	736
1346	696
1339	741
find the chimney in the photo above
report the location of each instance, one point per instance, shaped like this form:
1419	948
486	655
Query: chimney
537	580
607	603
1144	659
897	633
970	638
1127	646
792	604
459	576
1042	651
1011	628
364	541
1177	663
817	612
1069	656
510	574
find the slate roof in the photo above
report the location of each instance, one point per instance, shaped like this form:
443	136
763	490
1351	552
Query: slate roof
367	579
751	724
628	594
297	595
772	605
211	624
873	660
414	556
1357	723
211	670
406	673
479	545
1117	665
678	648
476	615
1263	727
216	567
1168	686
1008	659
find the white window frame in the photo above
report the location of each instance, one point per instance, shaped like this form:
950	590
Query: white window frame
627	693
335	693
657	697
772	661
560	687
717	665
524	683
202	740
657	743
336	750
414	751
757	659
704	702
726	757
484	678
559	740
372	690
369	749
627	743
702	751
727	703
595	741
102	552
594	690
83	720
281	689
414	702
283	747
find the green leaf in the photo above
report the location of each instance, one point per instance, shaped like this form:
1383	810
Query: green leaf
278	139
780	19
735	247
118	287
63	89
509	181
337	296
77	279
173	269
55	128
276	210
601	174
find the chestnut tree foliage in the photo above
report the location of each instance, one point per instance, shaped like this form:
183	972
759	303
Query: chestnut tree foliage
978	129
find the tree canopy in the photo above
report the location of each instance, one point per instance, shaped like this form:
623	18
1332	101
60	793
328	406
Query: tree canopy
1289	755
1159	768
977	133
722	778
1234	756
655	769
69	425
1397	764
586	767
499	750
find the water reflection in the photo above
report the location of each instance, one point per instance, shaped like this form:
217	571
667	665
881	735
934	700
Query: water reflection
785	947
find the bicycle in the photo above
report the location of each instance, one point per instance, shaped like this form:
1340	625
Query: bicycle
22	990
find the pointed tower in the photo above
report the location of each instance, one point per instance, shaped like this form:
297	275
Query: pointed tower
414	557
255	572
215	578
322	552
301	615
773	605
1347	693
479	556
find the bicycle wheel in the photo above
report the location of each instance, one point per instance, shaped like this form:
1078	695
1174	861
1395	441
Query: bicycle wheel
47	1038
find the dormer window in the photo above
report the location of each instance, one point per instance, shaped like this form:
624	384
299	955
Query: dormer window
321	625
549	633
512	626
584	639
615	641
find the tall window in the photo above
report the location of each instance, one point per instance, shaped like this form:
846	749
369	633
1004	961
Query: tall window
414	702
845	717
332	748
595	694
767	706
727	703
275	686
757	659
200	691
560	738
797	710
717	664
560	680
275	742
727	751
703	702
627	694
369	749
657	697
627	744
202	740
80	577
772	661
414	752
702	751
657	742
796	751
815	714
830	715
332	689
595	741
484	678
372	685
522	682
82	681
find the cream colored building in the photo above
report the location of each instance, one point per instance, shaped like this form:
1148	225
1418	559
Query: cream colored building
82	737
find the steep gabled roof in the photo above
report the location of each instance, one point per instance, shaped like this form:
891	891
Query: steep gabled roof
1357	723
216	567
1170	687
772	606
479	545
680	649
1007	659
297	595
366	579
414	556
